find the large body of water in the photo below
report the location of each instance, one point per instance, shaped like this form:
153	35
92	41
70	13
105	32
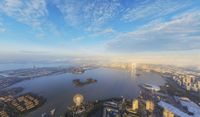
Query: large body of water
59	89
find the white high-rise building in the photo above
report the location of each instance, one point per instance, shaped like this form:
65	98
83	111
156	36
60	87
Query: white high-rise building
133	71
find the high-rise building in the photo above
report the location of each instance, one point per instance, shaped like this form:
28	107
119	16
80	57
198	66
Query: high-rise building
135	105
132	69
167	113
149	106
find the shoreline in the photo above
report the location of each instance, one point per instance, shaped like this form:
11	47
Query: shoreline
12	77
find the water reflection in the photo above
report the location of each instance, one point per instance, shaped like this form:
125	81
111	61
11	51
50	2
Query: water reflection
59	89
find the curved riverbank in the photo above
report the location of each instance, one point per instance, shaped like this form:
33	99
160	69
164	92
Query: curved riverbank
59	89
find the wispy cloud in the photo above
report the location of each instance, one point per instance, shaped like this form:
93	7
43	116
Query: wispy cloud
180	33
100	33
103	32
150	10
2	27
33	13
91	14
77	39
30	12
70	10
99	12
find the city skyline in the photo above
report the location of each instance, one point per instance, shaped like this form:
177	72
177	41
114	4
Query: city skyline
151	31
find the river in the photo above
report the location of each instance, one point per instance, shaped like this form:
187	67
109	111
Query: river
59	89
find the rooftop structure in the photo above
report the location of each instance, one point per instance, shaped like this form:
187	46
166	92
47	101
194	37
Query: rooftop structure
80	109
3	114
78	99
191	106
173	109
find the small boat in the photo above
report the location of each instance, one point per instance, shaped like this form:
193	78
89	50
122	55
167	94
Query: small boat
44	114
52	111
138	74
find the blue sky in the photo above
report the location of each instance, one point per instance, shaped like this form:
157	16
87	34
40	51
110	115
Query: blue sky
99	26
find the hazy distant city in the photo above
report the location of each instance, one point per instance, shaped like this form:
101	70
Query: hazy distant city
99	58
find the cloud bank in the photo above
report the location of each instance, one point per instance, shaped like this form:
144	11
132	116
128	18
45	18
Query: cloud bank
179	33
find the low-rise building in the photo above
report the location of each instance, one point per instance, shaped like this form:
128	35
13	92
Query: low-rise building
3	114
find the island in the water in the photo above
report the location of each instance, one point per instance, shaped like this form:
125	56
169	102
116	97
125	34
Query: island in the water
79	83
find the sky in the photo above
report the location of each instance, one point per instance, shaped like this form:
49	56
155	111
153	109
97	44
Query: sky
161	28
